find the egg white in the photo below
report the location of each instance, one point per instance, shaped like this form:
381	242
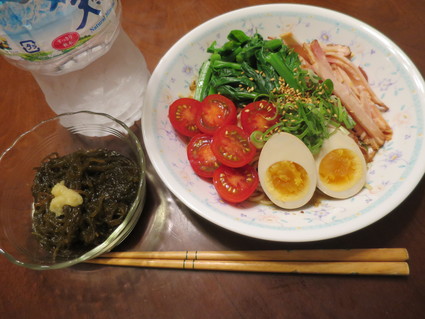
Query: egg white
287	147
340	140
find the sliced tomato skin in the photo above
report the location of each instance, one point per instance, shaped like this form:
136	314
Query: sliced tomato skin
201	158
258	116
231	146
235	185
216	111
182	114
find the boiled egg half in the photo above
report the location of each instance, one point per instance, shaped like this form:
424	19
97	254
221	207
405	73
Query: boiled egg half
341	167
287	171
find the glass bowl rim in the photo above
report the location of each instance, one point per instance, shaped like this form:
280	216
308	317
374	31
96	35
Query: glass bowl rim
123	229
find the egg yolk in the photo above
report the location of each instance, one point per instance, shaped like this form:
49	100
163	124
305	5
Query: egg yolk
340	169
287	181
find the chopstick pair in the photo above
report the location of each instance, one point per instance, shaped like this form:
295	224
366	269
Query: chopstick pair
376	261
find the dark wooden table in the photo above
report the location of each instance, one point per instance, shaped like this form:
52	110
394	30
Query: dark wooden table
89	291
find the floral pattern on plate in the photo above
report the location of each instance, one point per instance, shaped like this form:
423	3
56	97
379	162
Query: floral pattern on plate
392	175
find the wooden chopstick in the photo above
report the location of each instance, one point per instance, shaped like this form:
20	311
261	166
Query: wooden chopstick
382	261
374	254
311	267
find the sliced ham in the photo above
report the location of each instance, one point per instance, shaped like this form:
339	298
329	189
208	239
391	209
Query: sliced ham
350	85
356	76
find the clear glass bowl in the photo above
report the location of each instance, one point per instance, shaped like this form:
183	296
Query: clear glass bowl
63	134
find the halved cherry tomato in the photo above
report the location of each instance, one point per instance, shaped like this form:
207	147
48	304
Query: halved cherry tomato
258	116
235	184
231	146
182	114
200	155
216	111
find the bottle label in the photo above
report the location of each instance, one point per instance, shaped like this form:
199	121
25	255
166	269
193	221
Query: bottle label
38	30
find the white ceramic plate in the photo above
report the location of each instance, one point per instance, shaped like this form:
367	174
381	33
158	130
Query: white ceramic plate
394	173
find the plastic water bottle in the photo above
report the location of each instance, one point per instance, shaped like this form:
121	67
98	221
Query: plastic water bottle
78	53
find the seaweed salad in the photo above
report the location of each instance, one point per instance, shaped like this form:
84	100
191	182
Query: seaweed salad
107	183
